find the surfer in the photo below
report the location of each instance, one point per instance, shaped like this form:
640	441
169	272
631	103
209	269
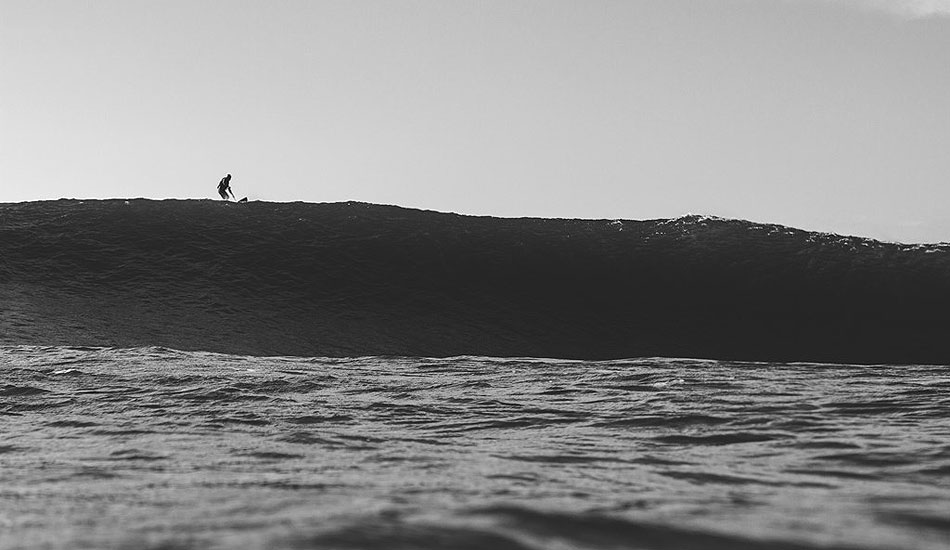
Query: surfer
224	187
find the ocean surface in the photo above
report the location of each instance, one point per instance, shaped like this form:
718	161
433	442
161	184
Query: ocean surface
152	448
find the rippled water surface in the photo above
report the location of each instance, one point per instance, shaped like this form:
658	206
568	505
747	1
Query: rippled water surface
154	448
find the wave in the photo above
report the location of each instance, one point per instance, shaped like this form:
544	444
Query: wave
356	279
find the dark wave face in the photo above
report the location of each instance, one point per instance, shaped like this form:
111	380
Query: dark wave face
357	279
157	449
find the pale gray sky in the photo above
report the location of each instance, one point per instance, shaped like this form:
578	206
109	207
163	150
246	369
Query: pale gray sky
830	115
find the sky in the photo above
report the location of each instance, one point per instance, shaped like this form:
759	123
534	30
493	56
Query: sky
827	115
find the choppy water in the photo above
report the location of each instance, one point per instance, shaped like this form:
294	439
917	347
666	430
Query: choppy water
153	448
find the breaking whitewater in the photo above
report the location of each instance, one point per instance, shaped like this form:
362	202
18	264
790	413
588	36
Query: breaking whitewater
198	374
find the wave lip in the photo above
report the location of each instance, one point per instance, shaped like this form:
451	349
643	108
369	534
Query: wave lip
356	279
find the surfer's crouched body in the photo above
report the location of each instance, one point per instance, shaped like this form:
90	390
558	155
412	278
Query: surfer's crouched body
224	187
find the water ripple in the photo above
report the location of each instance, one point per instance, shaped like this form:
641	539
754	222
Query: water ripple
156	448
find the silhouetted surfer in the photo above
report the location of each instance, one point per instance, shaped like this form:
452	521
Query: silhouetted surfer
225	187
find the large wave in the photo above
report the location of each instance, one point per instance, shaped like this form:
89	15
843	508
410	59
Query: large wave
348	279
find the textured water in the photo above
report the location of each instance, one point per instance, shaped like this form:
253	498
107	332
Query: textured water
154	448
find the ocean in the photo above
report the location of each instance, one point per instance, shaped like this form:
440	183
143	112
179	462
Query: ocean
195	374
154	448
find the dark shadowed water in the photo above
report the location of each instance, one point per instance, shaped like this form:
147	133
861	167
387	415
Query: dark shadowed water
154	448
355	279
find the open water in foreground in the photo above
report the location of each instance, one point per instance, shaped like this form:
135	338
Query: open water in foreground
155	448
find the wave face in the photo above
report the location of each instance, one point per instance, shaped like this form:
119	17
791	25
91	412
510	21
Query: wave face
353	279
155	449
